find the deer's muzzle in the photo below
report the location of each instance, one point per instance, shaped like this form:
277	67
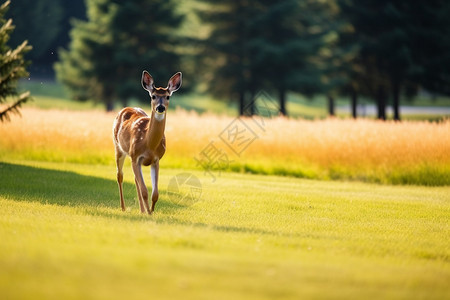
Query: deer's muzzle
160	109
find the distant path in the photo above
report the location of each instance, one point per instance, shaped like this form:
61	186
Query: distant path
404	110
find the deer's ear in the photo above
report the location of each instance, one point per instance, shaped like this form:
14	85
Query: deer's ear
147	81
174	83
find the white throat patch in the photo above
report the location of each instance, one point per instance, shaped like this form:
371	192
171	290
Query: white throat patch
159	117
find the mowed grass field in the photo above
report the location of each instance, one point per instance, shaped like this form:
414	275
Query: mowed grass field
63	236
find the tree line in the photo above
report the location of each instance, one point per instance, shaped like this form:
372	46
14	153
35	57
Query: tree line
377	49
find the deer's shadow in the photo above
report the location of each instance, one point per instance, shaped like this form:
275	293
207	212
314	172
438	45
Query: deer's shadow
66	188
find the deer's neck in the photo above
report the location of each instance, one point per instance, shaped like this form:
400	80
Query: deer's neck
155	132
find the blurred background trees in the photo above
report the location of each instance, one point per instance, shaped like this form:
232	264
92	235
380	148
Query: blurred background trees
402	45
287	38
46	25
224	55
380	50
268	45
119	39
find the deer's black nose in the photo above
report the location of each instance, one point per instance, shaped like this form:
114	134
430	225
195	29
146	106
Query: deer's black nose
160	109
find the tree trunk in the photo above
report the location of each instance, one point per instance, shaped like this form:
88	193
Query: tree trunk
381	103
331	106
109	105
108	99
252	102
241	103
249	108
283	102
354	104
396	99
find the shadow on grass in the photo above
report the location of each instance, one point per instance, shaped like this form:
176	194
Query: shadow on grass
65	188
47	186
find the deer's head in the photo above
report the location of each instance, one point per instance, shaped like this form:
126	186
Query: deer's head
160	96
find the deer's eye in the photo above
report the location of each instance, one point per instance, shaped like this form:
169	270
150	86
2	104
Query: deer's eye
153	97
167	97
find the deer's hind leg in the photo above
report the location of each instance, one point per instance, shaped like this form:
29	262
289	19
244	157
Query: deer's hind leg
141	188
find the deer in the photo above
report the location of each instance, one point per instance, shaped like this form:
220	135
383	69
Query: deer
142	138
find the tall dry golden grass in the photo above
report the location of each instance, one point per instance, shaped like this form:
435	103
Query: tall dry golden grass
56	135
393	152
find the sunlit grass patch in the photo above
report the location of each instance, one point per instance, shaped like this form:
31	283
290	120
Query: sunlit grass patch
249	237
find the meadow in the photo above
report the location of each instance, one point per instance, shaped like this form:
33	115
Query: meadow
247	237
364	150
290	209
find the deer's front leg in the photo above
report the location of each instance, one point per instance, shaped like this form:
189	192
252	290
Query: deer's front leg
140	187
154	169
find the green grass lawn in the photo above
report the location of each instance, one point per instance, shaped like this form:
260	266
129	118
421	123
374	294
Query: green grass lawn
63	236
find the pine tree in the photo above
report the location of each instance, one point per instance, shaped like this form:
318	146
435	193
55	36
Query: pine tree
109	51
429	32
336	58
225	56
46	25
12	68
366	76
262	44
288	37
147	38
402	44
39	22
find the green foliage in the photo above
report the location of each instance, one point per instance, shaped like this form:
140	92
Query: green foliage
266	45
402	45
46	25
90	51
432	30
286	39
374	49
39	22
249	237
120	39
224	53
12	68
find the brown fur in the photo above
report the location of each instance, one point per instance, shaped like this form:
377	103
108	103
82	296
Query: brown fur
139	136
